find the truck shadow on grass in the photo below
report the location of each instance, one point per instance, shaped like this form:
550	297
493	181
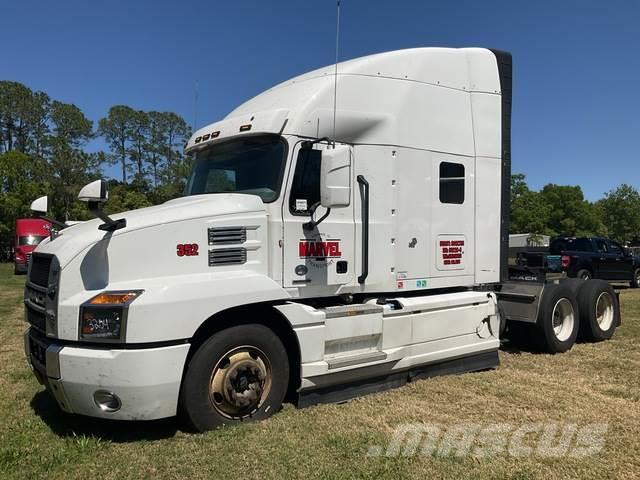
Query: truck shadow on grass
66	425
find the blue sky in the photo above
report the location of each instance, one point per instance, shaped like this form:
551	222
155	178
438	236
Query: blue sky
576	84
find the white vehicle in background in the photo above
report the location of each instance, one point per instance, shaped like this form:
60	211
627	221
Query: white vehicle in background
520	240
317	255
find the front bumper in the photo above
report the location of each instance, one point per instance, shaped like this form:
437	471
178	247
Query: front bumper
146	380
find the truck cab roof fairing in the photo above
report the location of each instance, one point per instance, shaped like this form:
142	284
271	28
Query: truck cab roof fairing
431	77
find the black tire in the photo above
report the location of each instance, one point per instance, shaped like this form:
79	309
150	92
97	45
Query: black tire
230	351
635	282
558	319
502	326
599	310
584	274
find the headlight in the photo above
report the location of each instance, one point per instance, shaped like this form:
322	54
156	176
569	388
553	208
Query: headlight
104	317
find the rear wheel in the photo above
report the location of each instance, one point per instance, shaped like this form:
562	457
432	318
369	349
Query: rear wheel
635	282
599	310
558	320
239	374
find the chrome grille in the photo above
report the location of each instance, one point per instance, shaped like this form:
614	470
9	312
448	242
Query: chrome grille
227	235
227	256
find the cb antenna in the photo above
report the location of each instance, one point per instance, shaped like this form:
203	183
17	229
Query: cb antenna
335	76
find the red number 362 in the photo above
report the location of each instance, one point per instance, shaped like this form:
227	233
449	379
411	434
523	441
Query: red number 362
187	249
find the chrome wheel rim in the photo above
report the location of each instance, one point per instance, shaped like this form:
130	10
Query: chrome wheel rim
563	318
604	311
586	276
240	382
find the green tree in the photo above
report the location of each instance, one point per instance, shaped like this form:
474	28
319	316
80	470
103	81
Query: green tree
155	144
621	212
22	180
570	213
519	186
530	213
170	168
177	134
116	129
124	197
69	166
23	118
138	149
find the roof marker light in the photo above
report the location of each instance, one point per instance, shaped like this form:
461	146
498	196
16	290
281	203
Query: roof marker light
245	128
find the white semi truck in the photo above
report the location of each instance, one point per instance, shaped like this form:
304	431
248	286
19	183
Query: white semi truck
319	253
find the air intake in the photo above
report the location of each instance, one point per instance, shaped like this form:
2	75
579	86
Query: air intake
40	266
227	235
227	256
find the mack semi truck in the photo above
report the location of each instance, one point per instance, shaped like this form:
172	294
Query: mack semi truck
28	233
343	232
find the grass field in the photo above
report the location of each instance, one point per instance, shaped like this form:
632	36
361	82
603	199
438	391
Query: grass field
593	383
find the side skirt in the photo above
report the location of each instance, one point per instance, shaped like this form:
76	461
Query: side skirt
346	391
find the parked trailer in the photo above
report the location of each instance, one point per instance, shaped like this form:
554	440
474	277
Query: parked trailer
318	254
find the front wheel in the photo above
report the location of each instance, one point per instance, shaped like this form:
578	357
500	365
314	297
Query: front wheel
239	374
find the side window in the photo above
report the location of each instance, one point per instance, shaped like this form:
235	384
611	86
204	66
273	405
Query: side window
451	182
583	245
305	188
615	248
601	245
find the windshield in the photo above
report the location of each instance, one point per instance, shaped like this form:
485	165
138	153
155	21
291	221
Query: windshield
30	240
251	164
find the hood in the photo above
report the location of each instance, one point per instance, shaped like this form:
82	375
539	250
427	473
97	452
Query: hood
73	240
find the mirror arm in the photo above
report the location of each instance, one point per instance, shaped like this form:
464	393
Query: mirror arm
311	143
109	225
311	224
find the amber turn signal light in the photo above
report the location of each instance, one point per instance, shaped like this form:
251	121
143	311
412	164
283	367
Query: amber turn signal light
114	298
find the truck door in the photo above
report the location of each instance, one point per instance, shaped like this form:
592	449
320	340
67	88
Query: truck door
623	264
322	259
605	260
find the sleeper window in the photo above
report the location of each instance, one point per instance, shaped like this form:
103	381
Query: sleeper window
451	183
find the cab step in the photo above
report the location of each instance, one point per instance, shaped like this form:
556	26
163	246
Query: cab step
350	360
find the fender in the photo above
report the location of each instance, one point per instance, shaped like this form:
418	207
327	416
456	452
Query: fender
174	308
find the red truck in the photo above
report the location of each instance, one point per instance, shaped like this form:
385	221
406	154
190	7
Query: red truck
29	233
